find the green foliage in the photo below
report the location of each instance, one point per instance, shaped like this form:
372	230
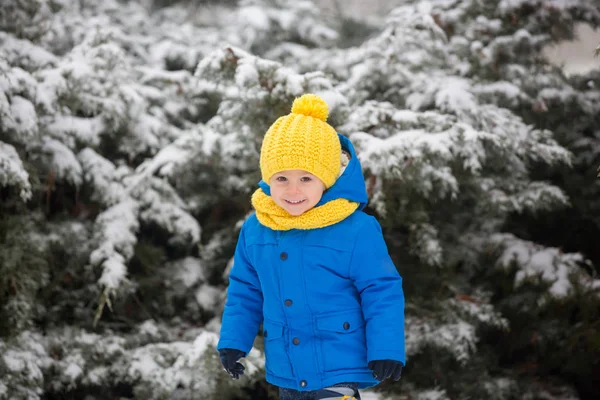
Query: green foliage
540	324
23	271
130	139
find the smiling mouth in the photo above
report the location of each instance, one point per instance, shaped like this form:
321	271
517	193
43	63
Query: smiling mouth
294	203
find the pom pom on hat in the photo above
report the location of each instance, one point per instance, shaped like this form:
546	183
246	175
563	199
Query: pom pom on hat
311	105
302	140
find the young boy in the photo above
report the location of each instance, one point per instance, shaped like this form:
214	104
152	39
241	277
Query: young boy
313	269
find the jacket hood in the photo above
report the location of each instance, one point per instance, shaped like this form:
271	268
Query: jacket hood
350	186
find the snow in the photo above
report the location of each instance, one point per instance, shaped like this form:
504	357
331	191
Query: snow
246	74
178	153
480	308
182	227
75	131
114	271
206	341
433	394
73	372
549	265
61	162
23	362
25	53
102	176
115	230
148	328
381	155
458	338
167	366
208	296
51	84
365	395
333	98
188	271
255	16
12	362
24	117
17	81
294	83
12	172
454	95
427	246
500	88
87	338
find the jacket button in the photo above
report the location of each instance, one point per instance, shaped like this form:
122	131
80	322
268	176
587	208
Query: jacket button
296	341
303	383
265	334
346	325
288	302
283	256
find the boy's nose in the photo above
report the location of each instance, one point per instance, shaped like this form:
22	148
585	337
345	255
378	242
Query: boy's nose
293	188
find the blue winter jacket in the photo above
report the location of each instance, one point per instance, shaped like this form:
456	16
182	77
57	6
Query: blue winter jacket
330	299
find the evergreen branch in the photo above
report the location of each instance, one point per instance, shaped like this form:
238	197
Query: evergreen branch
104	300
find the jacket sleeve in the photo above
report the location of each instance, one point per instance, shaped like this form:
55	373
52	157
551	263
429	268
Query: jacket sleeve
243	309
382	297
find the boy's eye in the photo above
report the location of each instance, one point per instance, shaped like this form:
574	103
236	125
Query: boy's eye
306	179
281	179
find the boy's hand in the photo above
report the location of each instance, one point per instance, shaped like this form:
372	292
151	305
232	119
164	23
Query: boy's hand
229	359
383	369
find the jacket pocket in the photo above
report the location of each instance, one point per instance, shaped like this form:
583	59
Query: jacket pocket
276	355
343	340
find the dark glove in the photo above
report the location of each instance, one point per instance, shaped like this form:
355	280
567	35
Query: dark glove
383	369
229	359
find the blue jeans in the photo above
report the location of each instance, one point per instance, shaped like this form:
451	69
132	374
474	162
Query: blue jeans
291	394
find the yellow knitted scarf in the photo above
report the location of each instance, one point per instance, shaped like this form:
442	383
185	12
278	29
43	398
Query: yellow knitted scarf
276	218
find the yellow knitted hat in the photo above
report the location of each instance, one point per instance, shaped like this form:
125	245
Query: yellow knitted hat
302	140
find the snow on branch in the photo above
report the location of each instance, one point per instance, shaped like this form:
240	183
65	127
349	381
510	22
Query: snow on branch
264	22
178	153
18	118
115	232
560	271
432	394
153	359
25	54
255	92
538	196
12	172
132	199
21	121
458	338
242	75
25	359
456	332
417	147
160	205
587	9
74	131
60	161
102	177
426	244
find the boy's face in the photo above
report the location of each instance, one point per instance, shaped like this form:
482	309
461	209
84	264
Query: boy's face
296	191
